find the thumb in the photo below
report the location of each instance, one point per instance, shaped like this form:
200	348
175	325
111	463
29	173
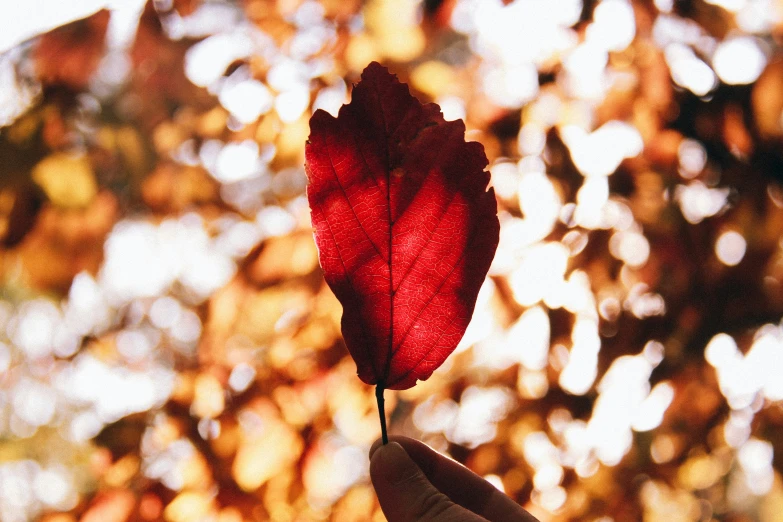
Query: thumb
405	493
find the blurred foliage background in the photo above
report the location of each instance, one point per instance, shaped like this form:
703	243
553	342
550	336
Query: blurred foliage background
169	351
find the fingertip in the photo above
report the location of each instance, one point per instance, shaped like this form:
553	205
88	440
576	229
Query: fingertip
375	445
400	439
386	454
392	464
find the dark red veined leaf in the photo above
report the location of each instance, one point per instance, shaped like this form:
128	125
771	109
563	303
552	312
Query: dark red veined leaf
405	226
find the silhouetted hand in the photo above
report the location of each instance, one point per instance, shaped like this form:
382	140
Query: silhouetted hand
416	484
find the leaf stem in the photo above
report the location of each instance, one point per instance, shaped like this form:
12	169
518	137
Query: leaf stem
381	412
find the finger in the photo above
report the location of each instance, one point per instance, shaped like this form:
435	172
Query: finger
460	484
404	492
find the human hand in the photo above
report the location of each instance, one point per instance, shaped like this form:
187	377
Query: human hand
416	484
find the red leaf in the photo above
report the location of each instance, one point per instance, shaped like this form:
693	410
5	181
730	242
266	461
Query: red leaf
405	227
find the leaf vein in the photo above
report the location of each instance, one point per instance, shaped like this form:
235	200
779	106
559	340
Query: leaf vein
353	291
350	205
429	301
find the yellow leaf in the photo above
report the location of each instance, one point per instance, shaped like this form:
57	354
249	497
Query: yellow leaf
433	78
360	51
67	180
188	506
267	452
209	400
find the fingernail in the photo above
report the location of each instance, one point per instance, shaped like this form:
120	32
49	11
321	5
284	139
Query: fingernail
394	461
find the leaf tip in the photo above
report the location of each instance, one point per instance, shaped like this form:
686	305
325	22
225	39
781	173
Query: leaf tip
378	72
